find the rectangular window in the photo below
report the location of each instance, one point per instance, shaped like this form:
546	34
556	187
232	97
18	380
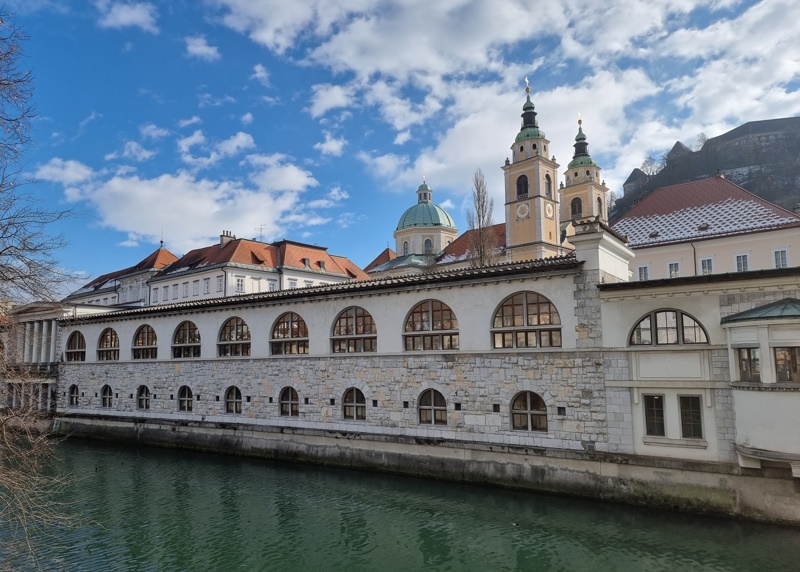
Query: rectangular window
742	262
219	283
309	283
207	286
786	364
674	269
165	295
644	273
654	415
196	288
292	283
271	285
185	289
174	291
781	259
155	296
105	301
707	266
749	365
239	285
691	417
113	300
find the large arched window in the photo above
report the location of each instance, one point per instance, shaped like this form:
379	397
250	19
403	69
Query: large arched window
107	396
526	320
290	402
432	408
576	207
548	187
185	398
234	339
76	347
405	248
108	346
355	406
668	327
186	342
143	397
354	331
522	187
440	323
290	335
233	400
145	344
73	396
428	246
528	412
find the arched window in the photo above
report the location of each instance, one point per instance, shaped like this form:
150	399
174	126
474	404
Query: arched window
107	402
576	207
233	400
290	335
432	408
73	396
234	339
548	187
428	246
435	317
143	397
290	402
76	347
528	412
522	187
354	331
599	206
108	346
186	342
668	327
355	406
185	398
526	320
145	344
405	248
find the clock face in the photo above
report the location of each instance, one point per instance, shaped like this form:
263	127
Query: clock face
523	210
548	210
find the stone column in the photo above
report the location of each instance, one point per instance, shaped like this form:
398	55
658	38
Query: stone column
53	339
36	342
26	352
46	387
45	349
19	353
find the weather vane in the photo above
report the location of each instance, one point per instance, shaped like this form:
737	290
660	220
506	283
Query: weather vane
423	179
527	85
580	121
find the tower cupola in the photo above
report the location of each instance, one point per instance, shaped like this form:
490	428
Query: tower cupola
581	157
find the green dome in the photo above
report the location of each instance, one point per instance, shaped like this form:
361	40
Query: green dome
425	214
530	133
581	161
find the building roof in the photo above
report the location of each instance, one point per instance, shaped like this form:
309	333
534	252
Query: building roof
384	257
787	308
698	210
159	259
458	250
425	214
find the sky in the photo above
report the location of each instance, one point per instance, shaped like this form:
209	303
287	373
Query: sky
316	120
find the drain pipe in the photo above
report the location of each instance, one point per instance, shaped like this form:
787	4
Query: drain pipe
694	257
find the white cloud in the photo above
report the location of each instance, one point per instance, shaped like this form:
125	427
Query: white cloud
274	172
208	100
447	204
198	47
152	131
186	143
226	148
338	194
84	122
193	120
333	197
67	173
402	137
327	96
331	145
118	15
383	166
135	151
261	75
247	118
132	240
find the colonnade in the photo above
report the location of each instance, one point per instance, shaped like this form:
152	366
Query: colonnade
38	341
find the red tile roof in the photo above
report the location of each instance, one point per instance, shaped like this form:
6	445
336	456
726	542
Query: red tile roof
700	209
458	250
384	257
157	260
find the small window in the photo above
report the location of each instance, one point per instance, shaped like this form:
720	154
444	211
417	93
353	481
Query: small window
436	318
207	286
528	412
73	396
145	345
143	397
186	343
781	259
644	273
707	266
185	399
290	402
233	400
196	288
654	415
786	360
355	406
108	346
674	269
668	327
292	283
742	262
154	298
290	335
234	339
185	289
526	320
691	417
405	248
749	365
174	291
428	246
76	347
107	396
522	187
576	206
548	187
220	283
354	331
432	408
239	285
165	294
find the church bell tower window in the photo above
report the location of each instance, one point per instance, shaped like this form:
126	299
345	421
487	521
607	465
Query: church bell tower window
522	187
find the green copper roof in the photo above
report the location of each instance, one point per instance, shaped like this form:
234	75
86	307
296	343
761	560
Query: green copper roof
582	161
528	104
580	136
425	214
424	187
788	308
530	133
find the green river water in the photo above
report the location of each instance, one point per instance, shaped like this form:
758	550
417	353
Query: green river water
153	509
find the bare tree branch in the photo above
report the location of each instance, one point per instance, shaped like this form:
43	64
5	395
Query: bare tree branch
481	241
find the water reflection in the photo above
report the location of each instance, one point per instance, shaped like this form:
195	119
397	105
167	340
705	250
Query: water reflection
152	509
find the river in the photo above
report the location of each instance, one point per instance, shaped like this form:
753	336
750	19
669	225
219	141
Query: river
140	508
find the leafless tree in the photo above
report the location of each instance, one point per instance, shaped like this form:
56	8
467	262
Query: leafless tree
481	242
653	165
701	140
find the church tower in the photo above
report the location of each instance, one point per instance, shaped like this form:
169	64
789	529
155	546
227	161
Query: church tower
583	196
531	207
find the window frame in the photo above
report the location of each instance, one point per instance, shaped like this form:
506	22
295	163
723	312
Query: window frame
431	338
292	341
437	413
749	373
289	402
354	342
694	424
239	345
78	353
793	358
522	185
680	327
74	394
144	347
108	352
518	336
663	414
354	405
646	268
576	213
676	265
143	398
233	400
427	247
710	260
185	399
107	396
745	261
187	349
529	413
785	261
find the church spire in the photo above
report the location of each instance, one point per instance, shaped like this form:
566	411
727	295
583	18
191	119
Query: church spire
528	113
581	146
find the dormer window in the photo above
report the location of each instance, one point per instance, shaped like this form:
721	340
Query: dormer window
322	265
653	234
704	226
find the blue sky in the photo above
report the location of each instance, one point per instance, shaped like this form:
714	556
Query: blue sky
316	120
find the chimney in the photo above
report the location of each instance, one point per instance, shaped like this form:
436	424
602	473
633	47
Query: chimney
797	209
225	238
719	174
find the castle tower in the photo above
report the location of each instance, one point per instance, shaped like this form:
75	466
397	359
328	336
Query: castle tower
531	206
583	195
